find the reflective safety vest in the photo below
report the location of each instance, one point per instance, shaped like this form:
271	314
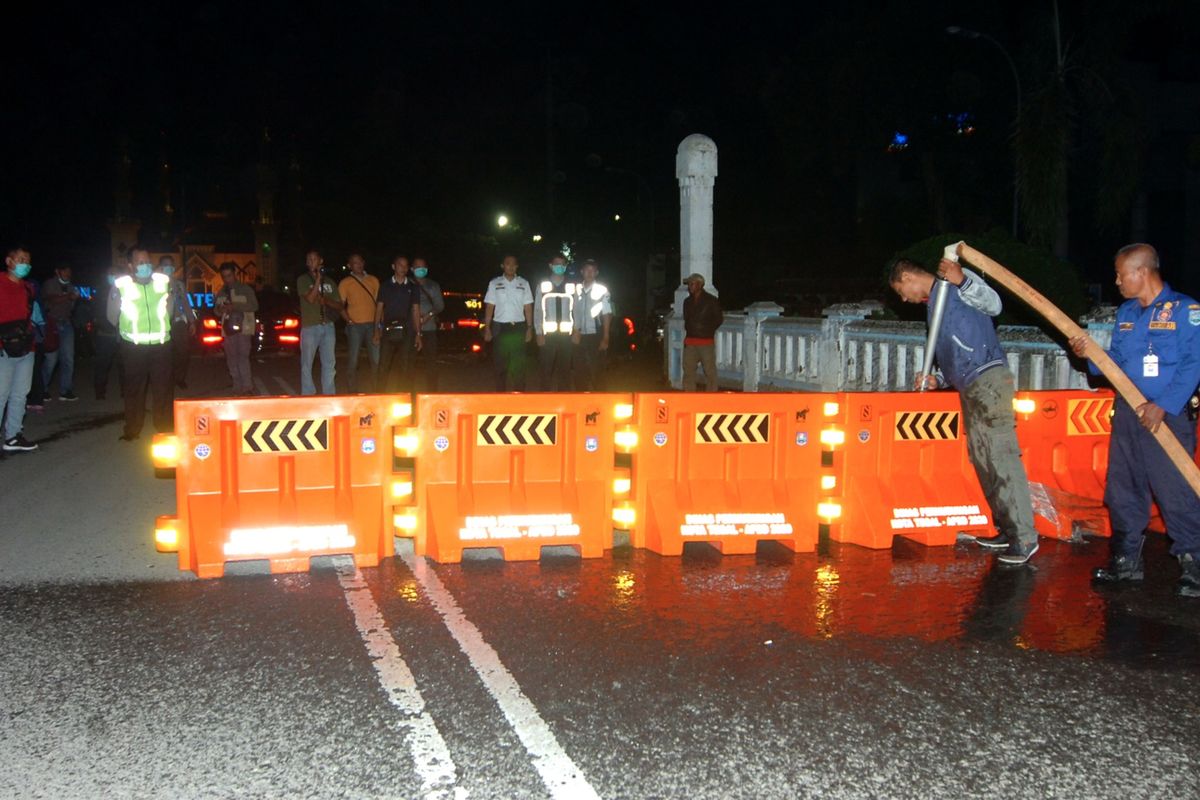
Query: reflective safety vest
557	306
145	309
593	302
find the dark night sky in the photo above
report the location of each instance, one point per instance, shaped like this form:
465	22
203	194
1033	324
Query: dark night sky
412	126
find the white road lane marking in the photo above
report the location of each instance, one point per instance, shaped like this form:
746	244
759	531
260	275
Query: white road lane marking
559	773
434	765
285	386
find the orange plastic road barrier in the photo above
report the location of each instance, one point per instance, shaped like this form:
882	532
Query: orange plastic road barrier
728	469
281	479
903	470
1064	438
517	472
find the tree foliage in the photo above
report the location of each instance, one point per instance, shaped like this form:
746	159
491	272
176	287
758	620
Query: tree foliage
1060	281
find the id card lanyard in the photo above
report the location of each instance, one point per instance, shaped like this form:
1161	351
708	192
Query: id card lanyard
1150	362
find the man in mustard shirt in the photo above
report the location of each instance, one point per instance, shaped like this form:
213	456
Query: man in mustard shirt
359	291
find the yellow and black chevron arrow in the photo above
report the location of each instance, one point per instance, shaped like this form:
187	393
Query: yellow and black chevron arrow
926	425
733	428
285	436
517	429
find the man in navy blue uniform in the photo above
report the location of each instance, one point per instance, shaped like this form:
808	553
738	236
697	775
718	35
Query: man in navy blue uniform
970	359
1156	342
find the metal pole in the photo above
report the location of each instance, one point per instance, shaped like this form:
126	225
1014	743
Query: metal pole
941	288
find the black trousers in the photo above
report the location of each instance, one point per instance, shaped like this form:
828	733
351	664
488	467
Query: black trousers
555	360
589	364
396	350
508	356
181	352
108	355
426	362
147	364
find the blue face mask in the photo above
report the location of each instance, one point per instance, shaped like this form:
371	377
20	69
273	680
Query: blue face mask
22	270
558	269
145	270
420	272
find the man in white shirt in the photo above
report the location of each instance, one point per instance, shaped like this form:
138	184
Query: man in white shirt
508	324
593	319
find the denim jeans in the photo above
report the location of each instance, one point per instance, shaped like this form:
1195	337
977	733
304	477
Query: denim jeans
64	357
16	375
237	358
316	339
357	334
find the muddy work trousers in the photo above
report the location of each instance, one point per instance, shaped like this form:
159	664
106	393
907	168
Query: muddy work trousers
992	446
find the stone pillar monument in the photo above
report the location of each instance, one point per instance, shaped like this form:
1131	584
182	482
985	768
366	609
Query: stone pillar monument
696	170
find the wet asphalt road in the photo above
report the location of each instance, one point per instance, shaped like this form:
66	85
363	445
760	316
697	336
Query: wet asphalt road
914	672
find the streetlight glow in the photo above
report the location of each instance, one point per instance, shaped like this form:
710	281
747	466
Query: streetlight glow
616	217
537	237
501	221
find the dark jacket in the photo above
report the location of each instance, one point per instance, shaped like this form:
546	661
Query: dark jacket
702	316
967	344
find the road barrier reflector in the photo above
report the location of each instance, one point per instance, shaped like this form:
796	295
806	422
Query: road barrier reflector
912	426
166	534
407	442
832	437
627	440
1024	405
828	482
623	411
517	429
164	451
621	485
624	517
733	428
406	523
1089	417
832	409
401	411
401	489
285	436
829	511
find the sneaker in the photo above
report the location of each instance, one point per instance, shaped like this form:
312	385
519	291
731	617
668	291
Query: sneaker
997	542
36	408
1018	553
18	444
68	397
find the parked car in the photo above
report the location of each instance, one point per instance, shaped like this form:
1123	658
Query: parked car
460	331
276	330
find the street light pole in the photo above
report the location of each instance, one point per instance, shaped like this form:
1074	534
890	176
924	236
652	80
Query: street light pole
967	33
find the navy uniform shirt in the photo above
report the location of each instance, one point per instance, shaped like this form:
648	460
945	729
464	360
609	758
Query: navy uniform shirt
398	299
1169	329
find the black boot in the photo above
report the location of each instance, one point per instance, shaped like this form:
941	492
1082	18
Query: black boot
1189	579
1123	567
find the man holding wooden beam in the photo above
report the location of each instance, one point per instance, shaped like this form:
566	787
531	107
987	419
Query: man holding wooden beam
970	359
1156	342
